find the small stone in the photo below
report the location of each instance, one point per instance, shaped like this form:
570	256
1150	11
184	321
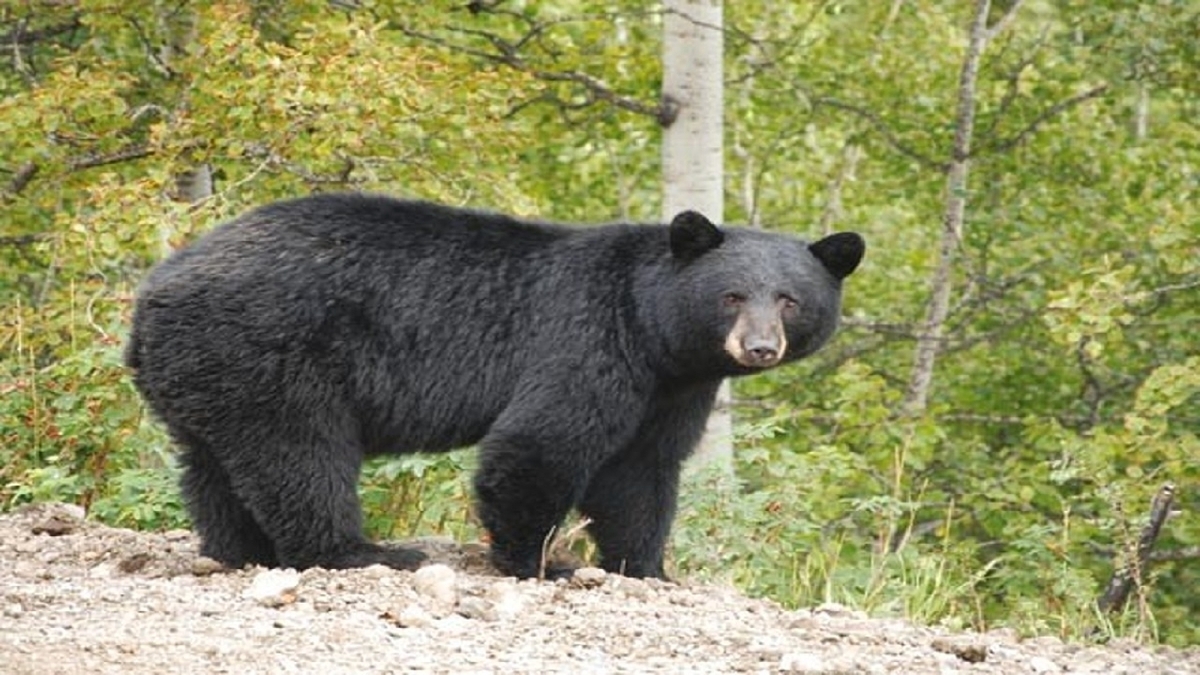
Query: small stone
29	546
134	563
835	610
1046	642
377	571
14	610
682	598
1041	664
588	577
25	569
203	566
274	588
965	649
507	601
61	519
1004	635
439	584
104	570
475	607
633	588
177	535
411	616
801	662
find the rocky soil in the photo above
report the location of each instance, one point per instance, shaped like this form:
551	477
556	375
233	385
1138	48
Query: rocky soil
77	597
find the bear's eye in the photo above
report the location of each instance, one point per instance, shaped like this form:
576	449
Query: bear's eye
788	303
732	299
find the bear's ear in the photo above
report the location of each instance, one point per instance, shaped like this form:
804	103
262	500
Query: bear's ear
693	235
840	253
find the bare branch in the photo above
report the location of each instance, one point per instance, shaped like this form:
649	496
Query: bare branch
1185	553
148	46
21	36
21	240
875	121
137	151
833	204
507	54
1047	114
1131	574
892	14
1013	90
1163	290
599	91
1005	21
21	178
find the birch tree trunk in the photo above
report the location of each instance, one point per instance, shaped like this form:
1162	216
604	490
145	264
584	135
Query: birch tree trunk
693	153
929	342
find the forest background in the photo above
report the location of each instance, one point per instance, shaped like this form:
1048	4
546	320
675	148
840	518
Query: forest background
1064	392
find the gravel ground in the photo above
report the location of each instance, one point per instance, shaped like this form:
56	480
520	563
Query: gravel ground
77	597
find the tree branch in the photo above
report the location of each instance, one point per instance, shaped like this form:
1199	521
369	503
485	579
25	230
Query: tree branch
508	54
21	240
1005	21
875	121
1013	80
1051	112
1124	579
136	151
21	36
21	178
1185	553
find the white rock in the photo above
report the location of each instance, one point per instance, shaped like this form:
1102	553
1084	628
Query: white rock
801	662
507	601
273	588
839	611
475	607
413	616
377	571
439	584
633	588
104	570
203	566
589	577
1041	664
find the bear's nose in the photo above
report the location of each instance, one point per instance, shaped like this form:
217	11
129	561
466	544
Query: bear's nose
762	353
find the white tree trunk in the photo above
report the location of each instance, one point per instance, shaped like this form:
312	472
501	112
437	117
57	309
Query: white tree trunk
929	342
693	153
1141	119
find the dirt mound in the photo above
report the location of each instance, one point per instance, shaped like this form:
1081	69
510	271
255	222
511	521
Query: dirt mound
77	597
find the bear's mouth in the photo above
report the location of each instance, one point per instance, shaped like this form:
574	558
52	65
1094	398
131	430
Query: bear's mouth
755	353
755	359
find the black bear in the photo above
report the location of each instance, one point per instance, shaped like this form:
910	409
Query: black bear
284	347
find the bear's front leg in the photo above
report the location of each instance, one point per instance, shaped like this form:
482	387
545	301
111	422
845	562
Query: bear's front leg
540	455
631	503
522	496
631	499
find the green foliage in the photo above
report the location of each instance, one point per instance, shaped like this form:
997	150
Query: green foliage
1068	382
418	494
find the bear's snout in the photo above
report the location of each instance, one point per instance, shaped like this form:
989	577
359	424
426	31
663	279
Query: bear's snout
761	353
756	341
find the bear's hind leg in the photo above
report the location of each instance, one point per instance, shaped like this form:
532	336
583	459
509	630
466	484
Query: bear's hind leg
305	498
228	531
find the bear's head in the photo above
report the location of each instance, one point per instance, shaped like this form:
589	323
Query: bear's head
745	300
